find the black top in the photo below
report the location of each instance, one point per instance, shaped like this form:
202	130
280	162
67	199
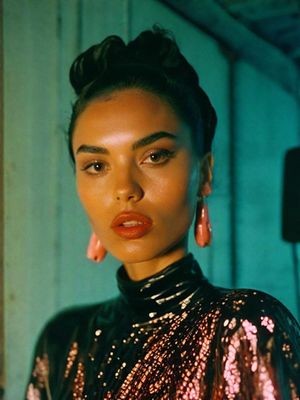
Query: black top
170	336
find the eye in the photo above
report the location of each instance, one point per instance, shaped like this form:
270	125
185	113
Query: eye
160	156
95	168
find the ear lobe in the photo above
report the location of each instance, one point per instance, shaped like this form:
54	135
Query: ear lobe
206	189
206	173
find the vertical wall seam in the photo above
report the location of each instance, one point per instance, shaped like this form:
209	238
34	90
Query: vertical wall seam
127	20
79	27
233	169
2	375
58	184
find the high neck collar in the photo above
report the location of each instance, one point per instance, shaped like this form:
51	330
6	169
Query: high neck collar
163	292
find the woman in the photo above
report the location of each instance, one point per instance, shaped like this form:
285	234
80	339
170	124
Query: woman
140	137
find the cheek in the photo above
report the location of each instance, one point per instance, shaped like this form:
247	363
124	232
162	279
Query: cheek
178	196
90	196
82	191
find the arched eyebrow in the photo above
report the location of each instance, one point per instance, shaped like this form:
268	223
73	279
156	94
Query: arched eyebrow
145	141
153	137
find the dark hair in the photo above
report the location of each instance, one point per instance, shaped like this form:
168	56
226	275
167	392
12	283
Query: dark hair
152	62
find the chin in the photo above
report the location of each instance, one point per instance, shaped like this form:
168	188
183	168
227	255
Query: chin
133	258
134	253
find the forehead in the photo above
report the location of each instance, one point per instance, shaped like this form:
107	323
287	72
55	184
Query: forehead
128	110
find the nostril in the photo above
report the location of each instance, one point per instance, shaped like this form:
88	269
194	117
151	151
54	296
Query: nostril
126	195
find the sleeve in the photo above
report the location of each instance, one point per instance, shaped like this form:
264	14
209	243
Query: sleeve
38	386
56	341
257	351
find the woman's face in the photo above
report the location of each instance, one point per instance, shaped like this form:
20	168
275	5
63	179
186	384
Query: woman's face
137	174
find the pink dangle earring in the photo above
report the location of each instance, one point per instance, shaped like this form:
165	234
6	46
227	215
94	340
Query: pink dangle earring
203	232
95	250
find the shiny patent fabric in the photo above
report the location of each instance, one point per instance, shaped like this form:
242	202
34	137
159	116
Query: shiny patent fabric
170	336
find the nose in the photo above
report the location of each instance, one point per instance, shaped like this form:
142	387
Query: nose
128	188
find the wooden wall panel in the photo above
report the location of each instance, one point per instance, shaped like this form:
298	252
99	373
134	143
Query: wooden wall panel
30	159
267	125
2	377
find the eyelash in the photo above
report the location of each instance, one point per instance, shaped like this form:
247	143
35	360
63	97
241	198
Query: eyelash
94	164
161	153
164	154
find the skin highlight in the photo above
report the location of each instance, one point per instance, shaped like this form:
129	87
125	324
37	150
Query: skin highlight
134	154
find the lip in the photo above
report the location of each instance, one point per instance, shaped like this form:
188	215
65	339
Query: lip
131	232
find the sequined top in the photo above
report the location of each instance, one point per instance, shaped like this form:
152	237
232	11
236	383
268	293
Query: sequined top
170	336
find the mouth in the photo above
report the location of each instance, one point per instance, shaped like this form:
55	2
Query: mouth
131	225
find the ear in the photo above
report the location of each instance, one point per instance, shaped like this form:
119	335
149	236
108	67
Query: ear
206	174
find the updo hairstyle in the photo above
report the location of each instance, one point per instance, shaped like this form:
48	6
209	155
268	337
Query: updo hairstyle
152	62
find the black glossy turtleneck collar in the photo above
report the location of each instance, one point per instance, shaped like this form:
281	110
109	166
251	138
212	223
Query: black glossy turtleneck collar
163	292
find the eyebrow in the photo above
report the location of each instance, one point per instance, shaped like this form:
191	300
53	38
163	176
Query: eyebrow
153	137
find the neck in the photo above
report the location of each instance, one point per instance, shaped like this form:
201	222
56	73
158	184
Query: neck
164	294
145	269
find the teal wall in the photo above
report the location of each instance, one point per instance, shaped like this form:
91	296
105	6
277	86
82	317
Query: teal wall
45	229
